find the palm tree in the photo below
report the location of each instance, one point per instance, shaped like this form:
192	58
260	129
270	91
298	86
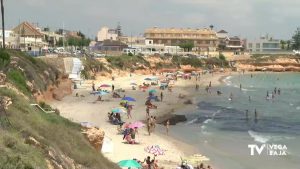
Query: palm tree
3	29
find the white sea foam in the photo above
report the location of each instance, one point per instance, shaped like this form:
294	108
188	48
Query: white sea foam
259	137
291	104
191	121
207	121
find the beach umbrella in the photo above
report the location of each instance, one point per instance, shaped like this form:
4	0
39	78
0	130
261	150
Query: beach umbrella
101	93
118	110
133	84
105	85
155	149
130	99
136	124
152	91
129	163
148	79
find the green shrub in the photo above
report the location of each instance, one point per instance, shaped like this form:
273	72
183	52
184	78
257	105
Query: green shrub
4	58
17	78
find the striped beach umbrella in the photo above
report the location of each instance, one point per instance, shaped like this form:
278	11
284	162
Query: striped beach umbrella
155	149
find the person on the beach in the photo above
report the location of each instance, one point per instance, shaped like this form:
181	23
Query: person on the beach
93	87
240	86
273	95
112	87
255	115
247	115
167	126
147	111
206	89
161	96
154	123
231	97
267	96
148	126
249	98
129	112
209	84
275	90
278	91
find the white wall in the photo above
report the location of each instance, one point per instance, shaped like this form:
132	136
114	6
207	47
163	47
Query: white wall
103	34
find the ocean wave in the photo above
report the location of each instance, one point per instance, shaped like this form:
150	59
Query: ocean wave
227	80
191	121
207	121
259	137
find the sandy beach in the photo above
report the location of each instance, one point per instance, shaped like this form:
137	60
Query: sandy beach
86	109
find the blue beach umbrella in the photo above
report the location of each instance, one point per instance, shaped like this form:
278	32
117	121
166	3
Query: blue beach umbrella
101	93
130	99
148	79
129	163
118	110
133	84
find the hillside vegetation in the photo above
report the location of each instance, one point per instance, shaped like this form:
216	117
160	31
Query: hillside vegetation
30	138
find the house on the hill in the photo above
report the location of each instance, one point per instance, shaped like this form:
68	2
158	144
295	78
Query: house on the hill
29	37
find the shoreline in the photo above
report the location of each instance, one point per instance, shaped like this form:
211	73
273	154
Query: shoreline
69	109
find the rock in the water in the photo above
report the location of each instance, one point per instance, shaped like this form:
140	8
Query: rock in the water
174	119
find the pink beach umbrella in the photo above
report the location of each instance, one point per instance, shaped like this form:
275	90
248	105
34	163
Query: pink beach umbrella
155	149
136	124
105	85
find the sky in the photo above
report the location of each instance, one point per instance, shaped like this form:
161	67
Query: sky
245	18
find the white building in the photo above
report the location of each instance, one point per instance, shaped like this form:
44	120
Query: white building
10	39
29	38
107	34
263	44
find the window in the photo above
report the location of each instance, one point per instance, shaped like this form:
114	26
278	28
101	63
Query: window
257	45
250	45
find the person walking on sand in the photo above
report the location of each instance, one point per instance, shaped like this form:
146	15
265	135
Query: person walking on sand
148	126
161	96
247	115
147	111
278	91
112	87
93	87
240	86
154	123
129	112
167	126
209	84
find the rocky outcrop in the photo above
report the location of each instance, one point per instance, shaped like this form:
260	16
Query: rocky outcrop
54	159
55	92
2	78
269	64
173	118
95	136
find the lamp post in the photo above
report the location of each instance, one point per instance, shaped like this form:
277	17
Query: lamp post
3	29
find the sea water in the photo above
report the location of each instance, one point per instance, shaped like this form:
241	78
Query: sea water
221	130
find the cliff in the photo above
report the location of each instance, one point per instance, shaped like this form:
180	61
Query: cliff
270	63
31	138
